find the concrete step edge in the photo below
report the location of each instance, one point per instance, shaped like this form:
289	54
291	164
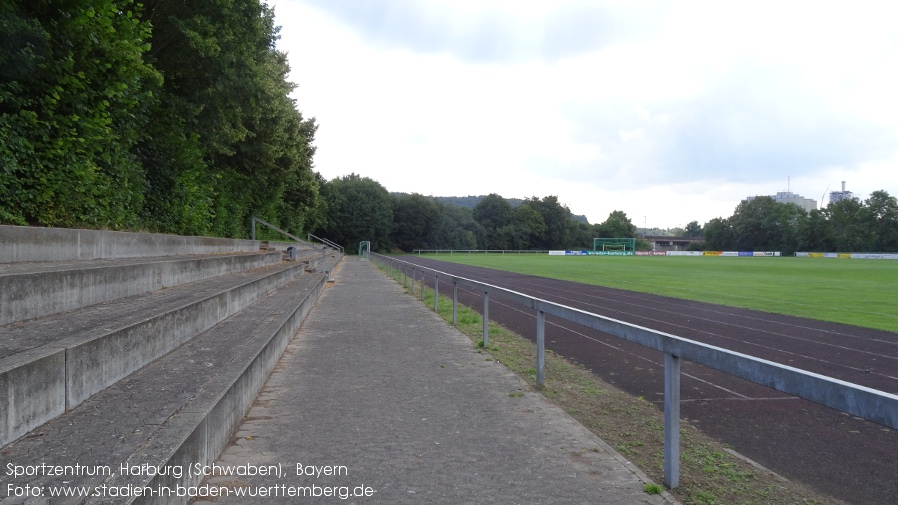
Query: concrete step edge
202	430
25	296
195	427
39	385
27	243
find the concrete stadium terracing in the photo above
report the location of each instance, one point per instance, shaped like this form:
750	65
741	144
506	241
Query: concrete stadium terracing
87	316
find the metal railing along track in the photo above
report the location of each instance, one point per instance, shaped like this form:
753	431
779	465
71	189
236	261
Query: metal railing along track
860	401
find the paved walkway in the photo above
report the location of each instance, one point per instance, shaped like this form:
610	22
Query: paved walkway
378	396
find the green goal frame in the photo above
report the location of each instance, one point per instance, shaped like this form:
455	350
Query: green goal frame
614	244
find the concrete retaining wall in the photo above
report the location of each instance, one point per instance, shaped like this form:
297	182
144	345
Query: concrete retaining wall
25	243
30	295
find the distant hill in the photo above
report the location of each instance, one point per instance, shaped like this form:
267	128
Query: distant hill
471	201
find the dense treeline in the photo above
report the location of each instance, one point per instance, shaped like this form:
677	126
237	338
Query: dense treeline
167	116
471	201
361	209
851	225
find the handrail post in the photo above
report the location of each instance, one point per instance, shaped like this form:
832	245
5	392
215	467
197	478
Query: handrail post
540	347
422	284
454	303
254	227
671	420
436	292
486	319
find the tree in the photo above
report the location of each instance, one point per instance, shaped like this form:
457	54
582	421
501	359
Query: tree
748	221
456	228
225	102
782	227
693	230
763	224
415	218
846	226
816	233
851	226
560	224
882	213
359	209
494	214
618	225
529	227
718	234
74	98
585	235
174	117
676	232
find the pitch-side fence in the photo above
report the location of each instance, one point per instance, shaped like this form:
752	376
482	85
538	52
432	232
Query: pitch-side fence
870	404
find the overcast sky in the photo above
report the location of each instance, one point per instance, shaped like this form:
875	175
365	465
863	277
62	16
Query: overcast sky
668	111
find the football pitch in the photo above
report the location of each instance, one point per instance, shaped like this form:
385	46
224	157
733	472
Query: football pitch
856	292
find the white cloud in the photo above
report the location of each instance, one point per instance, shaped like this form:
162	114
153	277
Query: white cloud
671	111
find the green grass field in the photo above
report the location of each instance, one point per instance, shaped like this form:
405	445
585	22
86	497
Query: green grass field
856	292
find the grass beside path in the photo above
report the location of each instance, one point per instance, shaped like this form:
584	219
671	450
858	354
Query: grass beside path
856	292
709	473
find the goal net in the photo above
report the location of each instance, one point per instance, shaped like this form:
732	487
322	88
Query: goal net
614	244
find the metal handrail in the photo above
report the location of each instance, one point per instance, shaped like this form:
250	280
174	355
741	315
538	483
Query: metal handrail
328	269
326	242
275	228
860	401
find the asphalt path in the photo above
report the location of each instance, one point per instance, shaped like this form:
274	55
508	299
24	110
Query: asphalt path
378	400
833	452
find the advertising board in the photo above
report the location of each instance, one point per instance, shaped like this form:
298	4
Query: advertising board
756	254
591	253
856	256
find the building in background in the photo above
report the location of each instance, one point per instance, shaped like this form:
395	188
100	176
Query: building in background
838	196
807	204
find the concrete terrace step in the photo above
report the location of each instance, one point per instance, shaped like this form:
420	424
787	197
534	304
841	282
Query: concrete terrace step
30	290
25	243
180	410
54	363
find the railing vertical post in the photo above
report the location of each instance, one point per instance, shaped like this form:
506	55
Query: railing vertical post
422	284
436	292
540	347
671	420
254	228
486	319
454	303
404	276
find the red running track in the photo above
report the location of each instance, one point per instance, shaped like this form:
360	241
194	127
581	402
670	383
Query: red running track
838	454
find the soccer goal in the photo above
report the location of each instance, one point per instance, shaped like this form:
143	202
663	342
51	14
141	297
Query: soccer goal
614	244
